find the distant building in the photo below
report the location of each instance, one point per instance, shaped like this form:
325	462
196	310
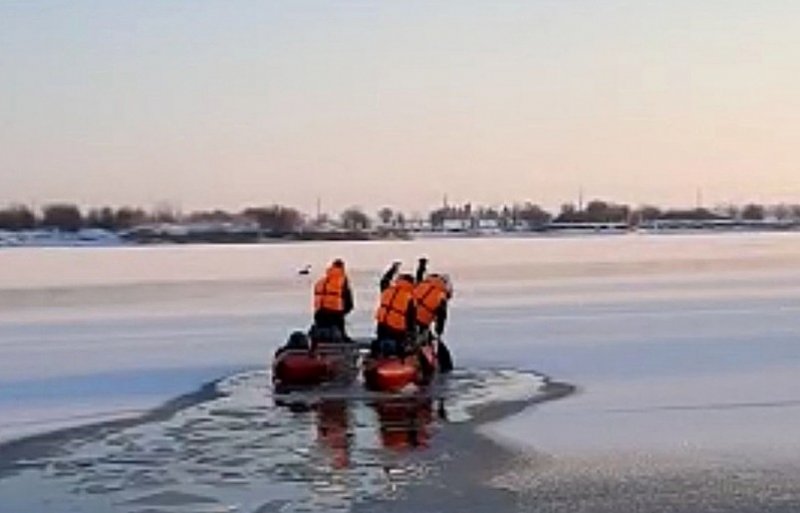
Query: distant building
489	224
418	225
325	226
456	225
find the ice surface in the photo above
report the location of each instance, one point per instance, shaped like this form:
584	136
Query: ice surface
681	323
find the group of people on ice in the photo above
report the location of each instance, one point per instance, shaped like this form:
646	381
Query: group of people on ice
412	310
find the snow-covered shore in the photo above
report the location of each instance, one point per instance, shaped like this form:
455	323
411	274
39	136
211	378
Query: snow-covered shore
55	238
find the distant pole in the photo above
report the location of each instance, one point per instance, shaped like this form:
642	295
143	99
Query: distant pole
580	199
319	208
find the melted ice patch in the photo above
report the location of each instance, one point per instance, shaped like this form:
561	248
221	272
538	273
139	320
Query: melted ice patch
473	389
247	450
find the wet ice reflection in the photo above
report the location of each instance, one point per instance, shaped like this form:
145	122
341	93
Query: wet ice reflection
246	450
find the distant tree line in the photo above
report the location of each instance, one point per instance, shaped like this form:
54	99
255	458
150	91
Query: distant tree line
506	216
67	217
279	219
531	215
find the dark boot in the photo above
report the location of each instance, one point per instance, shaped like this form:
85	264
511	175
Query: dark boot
444	357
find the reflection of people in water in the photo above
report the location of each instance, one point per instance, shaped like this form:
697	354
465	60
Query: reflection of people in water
333	430
404	423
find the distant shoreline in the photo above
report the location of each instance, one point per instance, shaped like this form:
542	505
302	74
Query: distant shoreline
102	238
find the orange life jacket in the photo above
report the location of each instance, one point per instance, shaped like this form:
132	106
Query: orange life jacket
429	294
329	291
394	305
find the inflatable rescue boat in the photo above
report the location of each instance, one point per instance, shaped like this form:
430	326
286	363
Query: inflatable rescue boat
305	361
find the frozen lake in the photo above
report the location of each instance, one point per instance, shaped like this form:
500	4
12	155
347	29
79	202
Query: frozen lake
685	348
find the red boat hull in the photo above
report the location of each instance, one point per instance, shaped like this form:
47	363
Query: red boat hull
392	374
302	368
389	374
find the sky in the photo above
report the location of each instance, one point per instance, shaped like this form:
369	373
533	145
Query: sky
204	104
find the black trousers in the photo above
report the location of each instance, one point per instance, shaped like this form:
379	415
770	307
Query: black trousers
329	319
397	341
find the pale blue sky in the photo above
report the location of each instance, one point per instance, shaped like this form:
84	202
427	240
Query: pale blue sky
231	103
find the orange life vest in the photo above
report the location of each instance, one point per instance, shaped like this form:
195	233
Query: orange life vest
429	294
394	305
329	291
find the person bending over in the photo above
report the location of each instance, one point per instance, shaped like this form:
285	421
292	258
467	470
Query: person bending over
396	313
432	294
